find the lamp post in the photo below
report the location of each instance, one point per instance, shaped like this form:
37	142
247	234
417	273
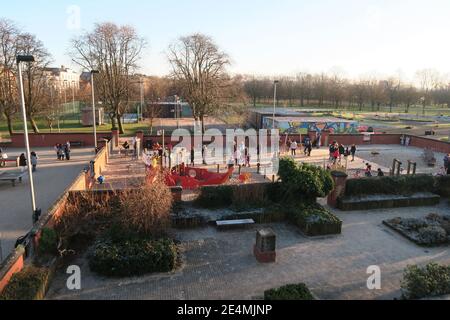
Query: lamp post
93	109
19	60
142	100
73	96
274	102
176	112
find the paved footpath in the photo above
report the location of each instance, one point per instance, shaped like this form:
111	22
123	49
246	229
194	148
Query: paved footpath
220	265
51	179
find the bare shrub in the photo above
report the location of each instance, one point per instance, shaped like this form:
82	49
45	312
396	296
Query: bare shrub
85	215
146	210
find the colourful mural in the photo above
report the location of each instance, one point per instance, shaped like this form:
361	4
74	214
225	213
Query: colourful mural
302	126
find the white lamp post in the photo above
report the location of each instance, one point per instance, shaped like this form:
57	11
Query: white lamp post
94	119
274	102
20	59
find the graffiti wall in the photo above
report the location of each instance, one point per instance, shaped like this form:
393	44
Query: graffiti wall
302	126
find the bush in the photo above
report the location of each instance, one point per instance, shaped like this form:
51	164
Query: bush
28	284
429	281
289	292
48	243
146	210
398	185
432	235
303	181
86	215
132	257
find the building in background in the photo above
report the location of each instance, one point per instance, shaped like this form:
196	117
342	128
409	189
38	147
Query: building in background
63	78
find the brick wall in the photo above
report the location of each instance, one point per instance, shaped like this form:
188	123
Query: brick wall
435	145
51	139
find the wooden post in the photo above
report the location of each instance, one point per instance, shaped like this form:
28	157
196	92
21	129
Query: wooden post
399	164
218	168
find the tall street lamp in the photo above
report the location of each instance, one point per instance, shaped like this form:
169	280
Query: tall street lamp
93	108
27	59
274	102
139	114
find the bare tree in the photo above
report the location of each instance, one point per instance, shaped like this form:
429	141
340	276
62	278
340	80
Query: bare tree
35	79
8	85
199	66
428	80
114	51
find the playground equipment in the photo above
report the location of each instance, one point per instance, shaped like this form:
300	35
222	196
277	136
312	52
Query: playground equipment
194	178
396	168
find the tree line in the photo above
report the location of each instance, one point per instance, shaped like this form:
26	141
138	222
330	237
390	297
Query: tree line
372	93
198	73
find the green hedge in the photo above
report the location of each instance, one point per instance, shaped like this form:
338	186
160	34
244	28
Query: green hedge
315	220
443	185
48	242
430	281
28	284
132	257
398	185
289	292
303	180
215	197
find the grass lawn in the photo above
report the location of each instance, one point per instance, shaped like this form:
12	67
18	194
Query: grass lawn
71	126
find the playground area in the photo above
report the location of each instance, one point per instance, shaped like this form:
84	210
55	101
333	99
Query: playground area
124	170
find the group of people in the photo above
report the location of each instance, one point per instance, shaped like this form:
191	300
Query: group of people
339	151
63	151
368	172
33	160
293	146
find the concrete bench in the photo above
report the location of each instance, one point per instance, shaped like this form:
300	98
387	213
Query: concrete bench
13	161
12	177
228	224
76	144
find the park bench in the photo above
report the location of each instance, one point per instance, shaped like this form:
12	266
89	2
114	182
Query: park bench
228	224
12	177
13	161
77	144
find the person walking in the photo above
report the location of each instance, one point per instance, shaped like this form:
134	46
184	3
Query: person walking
368	172
22	161
353	152
192	156
67	152
447	164
34	160
294	147
309	148
341	151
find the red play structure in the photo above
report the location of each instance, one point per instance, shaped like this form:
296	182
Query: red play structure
193	178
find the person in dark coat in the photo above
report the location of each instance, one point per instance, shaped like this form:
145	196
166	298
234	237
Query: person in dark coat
67	152
22	160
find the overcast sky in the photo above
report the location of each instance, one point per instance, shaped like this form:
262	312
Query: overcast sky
263	37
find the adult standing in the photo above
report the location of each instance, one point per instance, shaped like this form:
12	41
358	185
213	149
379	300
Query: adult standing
67	151
294	147
192	156
353	152
22	161
447	164
34	160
